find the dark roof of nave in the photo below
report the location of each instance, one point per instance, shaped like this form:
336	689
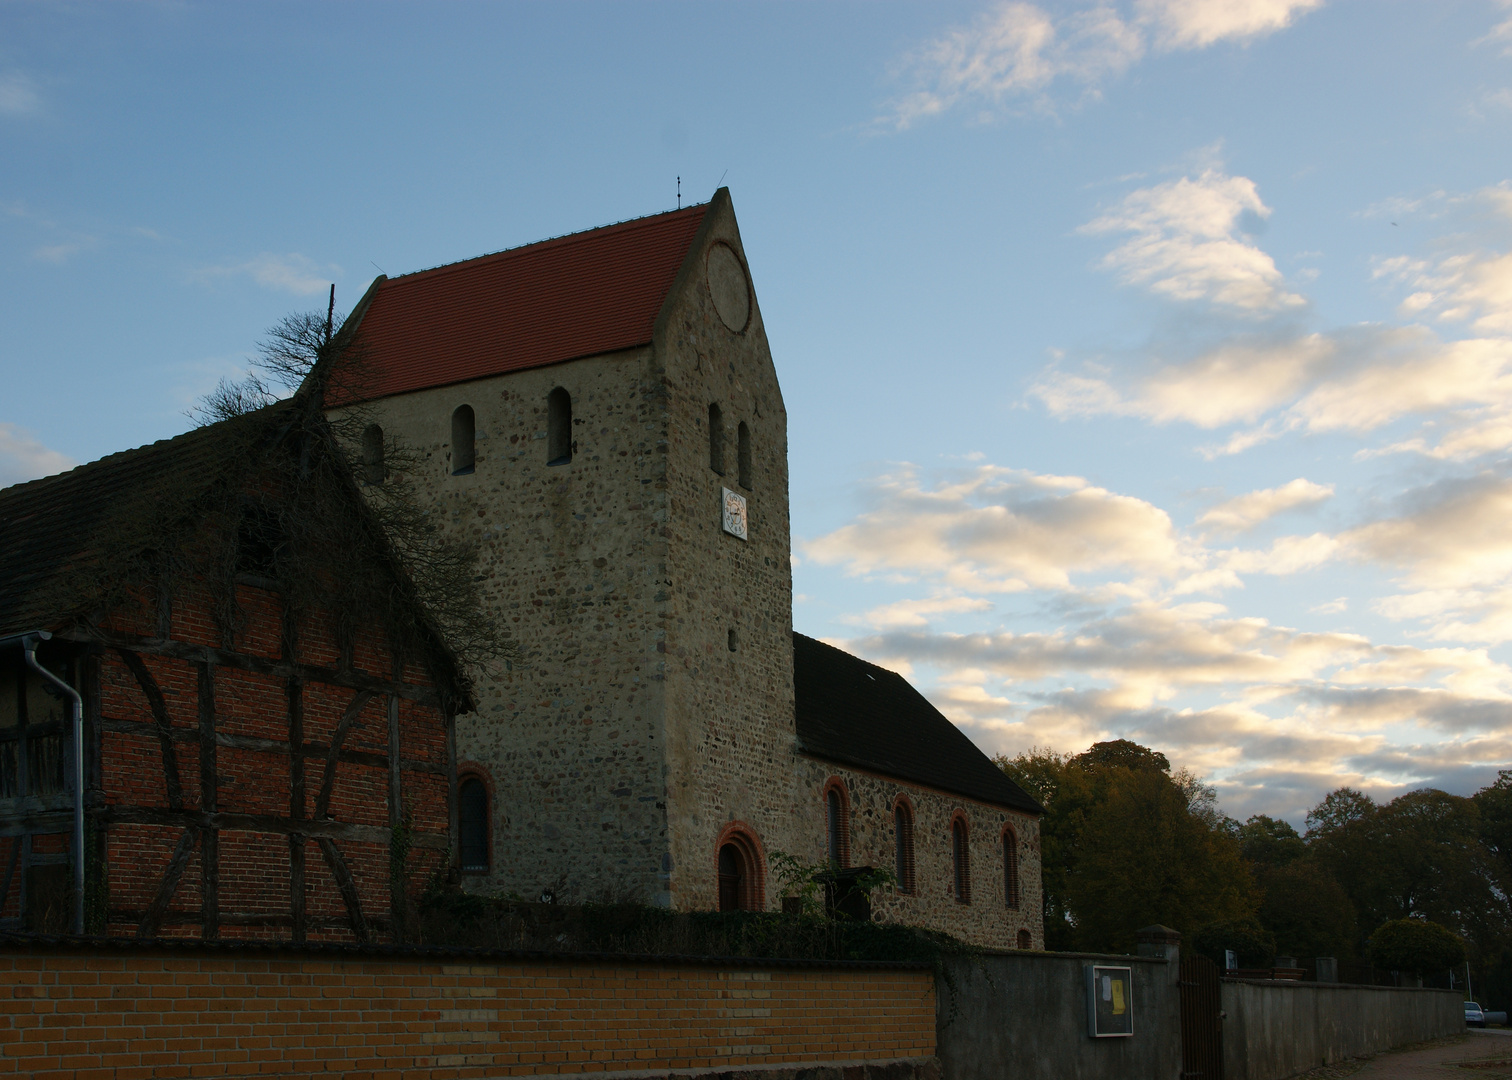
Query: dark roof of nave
855	713
580	295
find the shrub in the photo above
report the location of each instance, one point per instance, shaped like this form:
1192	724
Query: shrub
1416	946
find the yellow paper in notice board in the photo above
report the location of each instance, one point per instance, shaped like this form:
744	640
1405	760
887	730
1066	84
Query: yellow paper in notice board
1118	997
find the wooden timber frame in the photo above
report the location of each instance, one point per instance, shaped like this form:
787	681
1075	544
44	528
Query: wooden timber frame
310	764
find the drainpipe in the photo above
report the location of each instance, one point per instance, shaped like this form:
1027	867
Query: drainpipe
29	644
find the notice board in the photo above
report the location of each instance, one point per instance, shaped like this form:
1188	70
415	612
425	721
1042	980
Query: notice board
1110	1001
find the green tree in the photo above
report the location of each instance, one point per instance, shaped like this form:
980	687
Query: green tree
1126	843
1307	912
1267	842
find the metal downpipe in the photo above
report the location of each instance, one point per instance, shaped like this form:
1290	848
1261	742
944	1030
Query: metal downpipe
29	645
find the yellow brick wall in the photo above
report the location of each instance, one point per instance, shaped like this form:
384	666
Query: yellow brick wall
158	1014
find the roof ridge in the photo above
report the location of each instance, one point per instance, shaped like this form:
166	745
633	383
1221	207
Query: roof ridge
100	462
547	241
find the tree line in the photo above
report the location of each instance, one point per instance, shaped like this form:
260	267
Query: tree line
1127	842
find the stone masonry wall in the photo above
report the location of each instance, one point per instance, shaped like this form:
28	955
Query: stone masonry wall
574	565
731	733
986	920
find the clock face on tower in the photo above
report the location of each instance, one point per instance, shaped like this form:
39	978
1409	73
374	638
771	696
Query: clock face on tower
735	521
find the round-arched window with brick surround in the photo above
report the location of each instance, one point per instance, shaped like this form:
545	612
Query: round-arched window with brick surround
740	869
1024	940
960	852
903	844
1010	868
472	824
837	822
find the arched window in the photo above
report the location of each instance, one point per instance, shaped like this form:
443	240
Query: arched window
903	844
716	439
464	434
739	867
960	850
372	454
472	825
837	822
743	454
1010	870
558	427
1024	940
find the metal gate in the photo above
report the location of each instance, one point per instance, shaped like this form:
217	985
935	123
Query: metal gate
1201	1020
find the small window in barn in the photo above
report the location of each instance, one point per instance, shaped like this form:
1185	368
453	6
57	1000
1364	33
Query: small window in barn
372	454
739	870
743	454
1010	870
837	821
960	850
472	825
259	541
1025	942
716	439
903	843
463	441
558	427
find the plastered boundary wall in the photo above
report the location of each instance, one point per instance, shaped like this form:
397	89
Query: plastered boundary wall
75	1010
1278	1029
1024	1015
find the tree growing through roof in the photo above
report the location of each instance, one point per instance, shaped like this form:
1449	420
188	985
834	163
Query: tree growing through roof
281	495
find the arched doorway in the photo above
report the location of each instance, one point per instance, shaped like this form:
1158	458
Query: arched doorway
740	871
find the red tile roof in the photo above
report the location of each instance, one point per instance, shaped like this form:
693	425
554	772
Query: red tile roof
580	295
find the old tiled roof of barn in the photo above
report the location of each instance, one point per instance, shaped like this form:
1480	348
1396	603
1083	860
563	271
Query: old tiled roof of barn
580	295
859	714
59	525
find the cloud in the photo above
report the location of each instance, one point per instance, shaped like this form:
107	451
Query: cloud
1001	530
1015	49
1247	511
1354	380
1186	243
1196	24
23	458
1018	50
918	612
292	273
18	95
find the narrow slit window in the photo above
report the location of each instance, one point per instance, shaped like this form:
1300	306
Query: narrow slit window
472	825
463	441
372	454
960	849
743	454
716	439
903	840
559	427
1010	870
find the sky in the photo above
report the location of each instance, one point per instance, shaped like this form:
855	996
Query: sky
1148	364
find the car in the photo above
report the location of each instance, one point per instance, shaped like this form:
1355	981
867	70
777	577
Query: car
1473	1015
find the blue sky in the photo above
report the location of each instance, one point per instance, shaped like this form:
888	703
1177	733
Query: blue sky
1148	364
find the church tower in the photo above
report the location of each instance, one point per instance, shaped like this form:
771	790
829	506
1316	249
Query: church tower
601	414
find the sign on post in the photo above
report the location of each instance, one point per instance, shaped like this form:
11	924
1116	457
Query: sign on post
1110	1001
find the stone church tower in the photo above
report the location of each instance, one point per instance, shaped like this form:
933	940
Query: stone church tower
601	413
653	700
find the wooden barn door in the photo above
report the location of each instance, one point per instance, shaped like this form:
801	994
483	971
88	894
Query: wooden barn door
1201	1020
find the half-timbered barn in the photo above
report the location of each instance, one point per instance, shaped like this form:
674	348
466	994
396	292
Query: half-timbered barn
267	750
